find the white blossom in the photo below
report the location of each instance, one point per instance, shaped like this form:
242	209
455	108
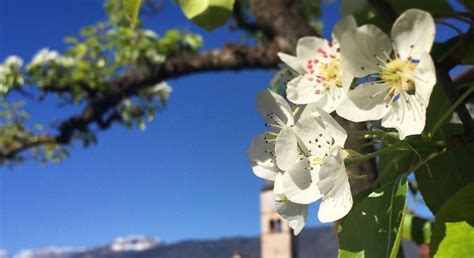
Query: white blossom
321	77
301	155
44	56
14	62
402	72
295	213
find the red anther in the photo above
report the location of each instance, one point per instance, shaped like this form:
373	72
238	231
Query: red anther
338	49
332	56
318	91
316	61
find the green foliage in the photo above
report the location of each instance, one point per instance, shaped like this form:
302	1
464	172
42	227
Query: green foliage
372	227
132	8
453	234
429	5
208	14
445	175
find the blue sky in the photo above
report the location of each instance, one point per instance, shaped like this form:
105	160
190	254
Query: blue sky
185	177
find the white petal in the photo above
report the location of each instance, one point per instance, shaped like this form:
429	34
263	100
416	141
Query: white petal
337	206
269	102
345	24
364	103
334	185
408	113
335	129
413	32
332	174
286	148
292	62
293	212
307	47
313	137
262	163
359	47
301	90
332	98
278	184
424	76
282	77
300	183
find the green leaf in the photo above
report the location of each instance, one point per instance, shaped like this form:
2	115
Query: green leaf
428	5
391	166
438	104
453	231
372	228
208	14
132	7
445	175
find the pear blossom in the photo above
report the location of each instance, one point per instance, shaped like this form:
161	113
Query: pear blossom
295	213
278	148
319	67
14	62
322	175
402	70
334	186
9	73
44	56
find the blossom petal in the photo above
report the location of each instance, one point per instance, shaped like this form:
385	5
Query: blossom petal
337	132
408	112
364	103
260	158
359	48
307	47
278	184
413	33
269	102
424	76
334	185
407	115
292	62
345	24
313	138
286	148
282	77
295	213
335	207
302	90
300	183
332	98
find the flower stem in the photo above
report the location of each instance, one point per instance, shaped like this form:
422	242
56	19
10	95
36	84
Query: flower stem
448	113
372	134
350	161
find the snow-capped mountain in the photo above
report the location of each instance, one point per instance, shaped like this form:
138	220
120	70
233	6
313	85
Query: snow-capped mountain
120	245
134	243
48	252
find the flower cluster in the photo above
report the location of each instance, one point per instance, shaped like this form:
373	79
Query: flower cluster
363	75
46	56
9	74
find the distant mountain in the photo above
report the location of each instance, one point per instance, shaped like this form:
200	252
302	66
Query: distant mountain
312	243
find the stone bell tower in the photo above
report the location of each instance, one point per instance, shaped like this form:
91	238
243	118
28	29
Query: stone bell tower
276	239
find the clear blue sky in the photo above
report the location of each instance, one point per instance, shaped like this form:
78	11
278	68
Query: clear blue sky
185	177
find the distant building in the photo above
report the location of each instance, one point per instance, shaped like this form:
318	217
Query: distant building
276	237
